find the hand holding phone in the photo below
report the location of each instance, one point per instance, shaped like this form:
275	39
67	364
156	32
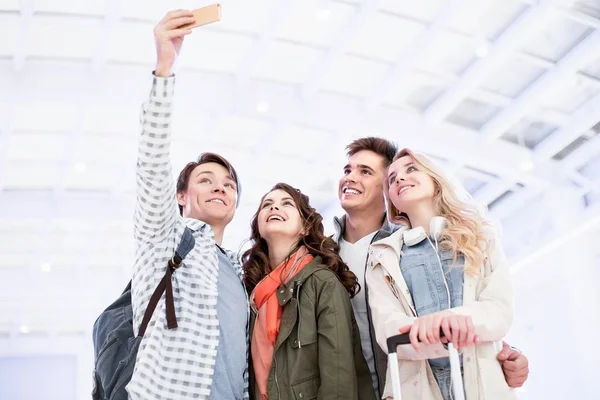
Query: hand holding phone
170	31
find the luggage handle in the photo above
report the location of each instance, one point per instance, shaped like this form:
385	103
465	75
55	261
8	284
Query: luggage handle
403	338
394	341
397	340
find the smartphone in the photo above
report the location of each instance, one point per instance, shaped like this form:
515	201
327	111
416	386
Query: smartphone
204	16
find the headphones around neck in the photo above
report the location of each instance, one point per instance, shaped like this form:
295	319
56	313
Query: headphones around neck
417	235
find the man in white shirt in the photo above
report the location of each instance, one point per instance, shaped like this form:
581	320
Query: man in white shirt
361	196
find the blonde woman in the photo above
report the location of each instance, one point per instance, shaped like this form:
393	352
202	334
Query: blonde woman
443	271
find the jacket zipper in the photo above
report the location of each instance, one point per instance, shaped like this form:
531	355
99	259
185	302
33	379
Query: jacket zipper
297	295
276	381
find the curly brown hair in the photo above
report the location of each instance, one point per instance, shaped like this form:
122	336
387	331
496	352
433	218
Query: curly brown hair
256	259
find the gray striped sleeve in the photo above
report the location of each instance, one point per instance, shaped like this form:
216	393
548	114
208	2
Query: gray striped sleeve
156	210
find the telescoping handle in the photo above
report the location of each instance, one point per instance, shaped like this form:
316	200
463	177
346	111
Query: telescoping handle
394	341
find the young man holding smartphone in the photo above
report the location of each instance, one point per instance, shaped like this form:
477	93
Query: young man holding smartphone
205	356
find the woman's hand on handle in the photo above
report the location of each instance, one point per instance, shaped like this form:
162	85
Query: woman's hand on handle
457	329
168	37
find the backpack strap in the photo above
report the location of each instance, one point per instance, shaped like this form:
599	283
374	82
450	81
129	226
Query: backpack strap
165	284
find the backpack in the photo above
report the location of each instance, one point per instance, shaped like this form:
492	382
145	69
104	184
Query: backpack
115	345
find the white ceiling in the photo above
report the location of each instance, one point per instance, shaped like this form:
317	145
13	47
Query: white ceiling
504	93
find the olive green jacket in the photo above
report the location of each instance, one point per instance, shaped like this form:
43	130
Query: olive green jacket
317	352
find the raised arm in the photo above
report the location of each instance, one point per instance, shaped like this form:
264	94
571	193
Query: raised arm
156	212
156	209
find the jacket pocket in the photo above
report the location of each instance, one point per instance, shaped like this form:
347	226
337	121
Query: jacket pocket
424	294
307	389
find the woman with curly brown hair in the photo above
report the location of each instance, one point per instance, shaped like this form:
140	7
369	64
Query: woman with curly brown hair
304	339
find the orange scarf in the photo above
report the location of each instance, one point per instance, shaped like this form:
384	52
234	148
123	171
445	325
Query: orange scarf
269	314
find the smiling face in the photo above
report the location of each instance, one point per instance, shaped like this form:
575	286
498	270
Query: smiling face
361	186
210	195
279	217
409	184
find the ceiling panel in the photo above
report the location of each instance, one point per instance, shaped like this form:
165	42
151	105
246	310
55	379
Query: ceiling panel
55	116
354	76
243	16
556	41
129	42
472	113
422	10
10	27
529	133
512	77
245	132
571	97
374	36
35	147
423	96
590	7
96	8
453	54
486	19
53	36
155	10
593	69
226	51
287	62
325	19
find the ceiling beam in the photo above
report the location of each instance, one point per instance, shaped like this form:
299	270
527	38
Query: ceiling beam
525	26
579	157
578	123
579	16
554	79
421	46
583	119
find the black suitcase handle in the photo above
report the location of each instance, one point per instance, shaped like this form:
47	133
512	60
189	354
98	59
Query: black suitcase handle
403	338
397	340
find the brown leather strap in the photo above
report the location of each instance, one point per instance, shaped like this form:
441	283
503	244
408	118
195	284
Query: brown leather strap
170	304
152	306
165	285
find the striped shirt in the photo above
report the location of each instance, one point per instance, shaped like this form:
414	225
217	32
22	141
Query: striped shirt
172	363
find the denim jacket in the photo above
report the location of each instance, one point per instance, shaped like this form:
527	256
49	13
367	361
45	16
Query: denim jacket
421	266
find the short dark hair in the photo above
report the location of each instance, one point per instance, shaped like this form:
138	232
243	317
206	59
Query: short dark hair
205	158
383	147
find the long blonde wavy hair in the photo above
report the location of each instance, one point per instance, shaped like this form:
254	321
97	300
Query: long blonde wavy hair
468	231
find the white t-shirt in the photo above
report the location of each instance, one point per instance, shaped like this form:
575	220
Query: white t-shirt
355	256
